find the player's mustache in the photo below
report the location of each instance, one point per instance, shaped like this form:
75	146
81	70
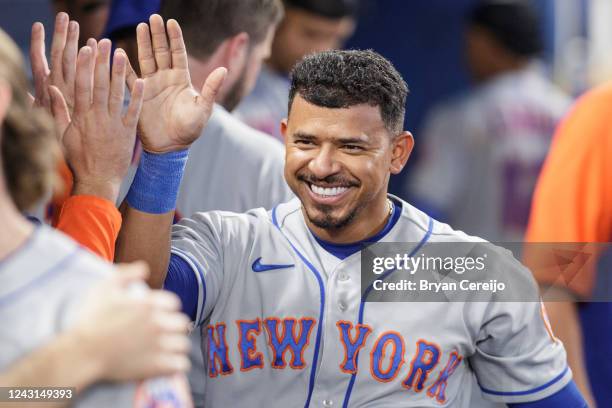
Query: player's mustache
334	179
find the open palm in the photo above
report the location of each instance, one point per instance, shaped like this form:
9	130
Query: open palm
173	112
62	73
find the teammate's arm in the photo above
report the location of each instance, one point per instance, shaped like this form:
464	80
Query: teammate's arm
117	338
571	204
172	118
563	316
89	216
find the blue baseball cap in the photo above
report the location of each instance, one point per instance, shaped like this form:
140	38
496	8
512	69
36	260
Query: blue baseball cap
127	14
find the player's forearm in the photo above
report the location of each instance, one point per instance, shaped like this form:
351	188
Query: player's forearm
146	237
67	361
566	327
149	211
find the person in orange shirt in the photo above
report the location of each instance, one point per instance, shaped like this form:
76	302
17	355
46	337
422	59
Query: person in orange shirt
84	208
573	204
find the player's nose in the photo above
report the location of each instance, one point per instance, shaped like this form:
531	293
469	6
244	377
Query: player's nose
324	163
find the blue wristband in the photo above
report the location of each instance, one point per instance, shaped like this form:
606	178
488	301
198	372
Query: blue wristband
156	185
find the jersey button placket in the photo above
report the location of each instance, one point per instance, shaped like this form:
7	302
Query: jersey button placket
328	403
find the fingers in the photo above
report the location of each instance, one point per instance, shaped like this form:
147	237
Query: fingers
177	45
160	42
146	60
117	88
128	274
168	364
212	85
164	301
93	44
58	43
130	120
83	85
70	53
101	75
175	343
59	109
40	67
131	76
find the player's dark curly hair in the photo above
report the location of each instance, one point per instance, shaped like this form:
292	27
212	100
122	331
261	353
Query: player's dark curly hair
340	79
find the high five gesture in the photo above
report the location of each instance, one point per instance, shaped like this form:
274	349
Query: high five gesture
173	112
62	72
99	138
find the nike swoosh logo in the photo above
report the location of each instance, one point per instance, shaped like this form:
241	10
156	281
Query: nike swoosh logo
259	267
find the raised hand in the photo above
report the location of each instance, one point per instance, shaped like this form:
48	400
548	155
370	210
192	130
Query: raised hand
64	48
173	112
98	138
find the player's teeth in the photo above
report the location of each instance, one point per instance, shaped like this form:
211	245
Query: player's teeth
325	191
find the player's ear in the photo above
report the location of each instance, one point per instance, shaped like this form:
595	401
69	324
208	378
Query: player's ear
283	129
401	147
235	51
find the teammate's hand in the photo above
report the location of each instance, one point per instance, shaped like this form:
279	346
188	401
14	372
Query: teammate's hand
99	139
133	333
174	112
64	48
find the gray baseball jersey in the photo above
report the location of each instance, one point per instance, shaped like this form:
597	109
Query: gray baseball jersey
42	286
482	153
231	167
286	325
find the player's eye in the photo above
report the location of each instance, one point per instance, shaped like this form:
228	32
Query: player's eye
304	142
352	148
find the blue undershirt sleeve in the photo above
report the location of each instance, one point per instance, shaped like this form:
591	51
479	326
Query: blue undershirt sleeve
182	281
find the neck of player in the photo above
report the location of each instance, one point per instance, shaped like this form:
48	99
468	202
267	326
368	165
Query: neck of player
15	228
367	223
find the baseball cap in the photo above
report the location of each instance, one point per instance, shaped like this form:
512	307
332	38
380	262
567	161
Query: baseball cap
513	23
127	14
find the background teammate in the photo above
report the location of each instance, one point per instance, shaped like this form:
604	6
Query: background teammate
308	26
573	204
228	169
482	152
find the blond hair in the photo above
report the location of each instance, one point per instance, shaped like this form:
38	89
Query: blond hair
30	151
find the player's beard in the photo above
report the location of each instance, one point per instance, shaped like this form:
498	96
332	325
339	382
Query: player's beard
328	222
237	92
325	218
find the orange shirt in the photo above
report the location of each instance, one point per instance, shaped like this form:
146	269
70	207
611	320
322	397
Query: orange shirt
573	198
91	221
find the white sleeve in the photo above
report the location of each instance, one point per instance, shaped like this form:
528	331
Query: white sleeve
199	242
517	358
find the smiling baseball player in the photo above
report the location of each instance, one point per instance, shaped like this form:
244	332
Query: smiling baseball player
278	292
